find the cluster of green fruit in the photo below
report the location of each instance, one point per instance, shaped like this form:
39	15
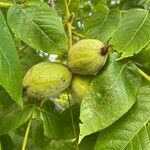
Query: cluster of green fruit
49	79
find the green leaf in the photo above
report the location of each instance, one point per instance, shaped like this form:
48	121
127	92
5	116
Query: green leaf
59	125
88	142
105	2
133	33
60	145
102	24
59	6
6	142
142	58
10	69
140	140
111	95
13	117
145	3
18	139
52	127
5	99
37	133
128	4
66	121
51	121
28	58
39	27
119	135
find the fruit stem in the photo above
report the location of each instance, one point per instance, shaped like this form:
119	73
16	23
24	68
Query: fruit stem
147	77
78	34
105	49
3	4
72	120
26	135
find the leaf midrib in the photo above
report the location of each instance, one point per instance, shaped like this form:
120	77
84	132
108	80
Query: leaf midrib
119	74
136	132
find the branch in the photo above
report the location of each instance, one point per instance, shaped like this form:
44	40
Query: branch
69	21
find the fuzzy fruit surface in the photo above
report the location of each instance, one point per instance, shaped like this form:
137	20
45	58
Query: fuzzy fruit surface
85	57
79	87
46	79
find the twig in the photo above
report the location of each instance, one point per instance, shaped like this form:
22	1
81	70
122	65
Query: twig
72	120
0	146
5	5
78	34
67	9
69	21
26	135
147	77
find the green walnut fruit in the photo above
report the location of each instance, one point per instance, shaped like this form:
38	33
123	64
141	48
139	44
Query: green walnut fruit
47	79
87	56
79	87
